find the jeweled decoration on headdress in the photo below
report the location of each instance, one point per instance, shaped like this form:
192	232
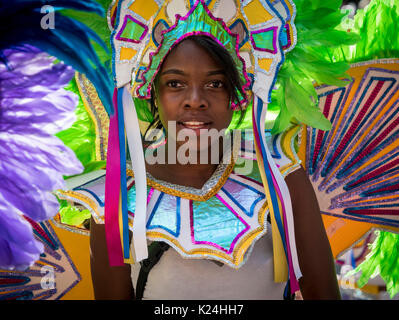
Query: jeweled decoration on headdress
255	33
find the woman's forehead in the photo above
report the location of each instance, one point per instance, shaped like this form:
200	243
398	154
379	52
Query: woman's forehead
189	55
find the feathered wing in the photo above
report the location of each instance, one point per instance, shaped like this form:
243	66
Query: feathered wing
70	40
354	166
34	107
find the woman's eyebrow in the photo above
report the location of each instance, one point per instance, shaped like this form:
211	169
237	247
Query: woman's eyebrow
181	72
216	72
173	71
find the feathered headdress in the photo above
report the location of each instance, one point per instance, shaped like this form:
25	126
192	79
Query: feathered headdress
258	35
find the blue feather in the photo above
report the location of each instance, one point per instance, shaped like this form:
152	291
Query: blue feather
69	41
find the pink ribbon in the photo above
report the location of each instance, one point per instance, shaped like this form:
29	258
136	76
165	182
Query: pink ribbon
112	191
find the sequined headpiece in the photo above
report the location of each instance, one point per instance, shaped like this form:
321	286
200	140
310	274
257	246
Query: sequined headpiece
255	33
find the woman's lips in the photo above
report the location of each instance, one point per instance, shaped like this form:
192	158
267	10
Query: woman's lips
195	125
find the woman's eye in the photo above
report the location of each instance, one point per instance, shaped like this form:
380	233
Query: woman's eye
216	84
174	84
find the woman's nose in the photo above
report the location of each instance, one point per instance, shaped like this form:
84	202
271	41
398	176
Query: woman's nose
195	98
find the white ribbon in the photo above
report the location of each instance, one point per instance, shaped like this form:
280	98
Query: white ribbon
139	248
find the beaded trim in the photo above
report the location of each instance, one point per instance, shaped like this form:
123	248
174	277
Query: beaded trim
98	115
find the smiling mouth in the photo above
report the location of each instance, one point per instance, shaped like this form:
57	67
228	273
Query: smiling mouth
195	124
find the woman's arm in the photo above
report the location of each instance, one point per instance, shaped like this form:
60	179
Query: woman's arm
319	280
109	283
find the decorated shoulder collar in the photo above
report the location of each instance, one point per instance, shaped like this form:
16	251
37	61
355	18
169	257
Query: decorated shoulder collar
220	221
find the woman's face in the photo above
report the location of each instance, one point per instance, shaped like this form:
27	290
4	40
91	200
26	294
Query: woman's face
192	91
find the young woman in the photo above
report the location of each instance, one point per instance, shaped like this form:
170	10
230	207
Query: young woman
194	89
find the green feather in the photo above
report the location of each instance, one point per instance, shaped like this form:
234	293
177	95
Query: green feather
382	260
283	119
297	103
81	136
310	63
377	26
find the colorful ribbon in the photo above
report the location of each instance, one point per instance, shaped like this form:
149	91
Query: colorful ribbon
116	212
279	200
